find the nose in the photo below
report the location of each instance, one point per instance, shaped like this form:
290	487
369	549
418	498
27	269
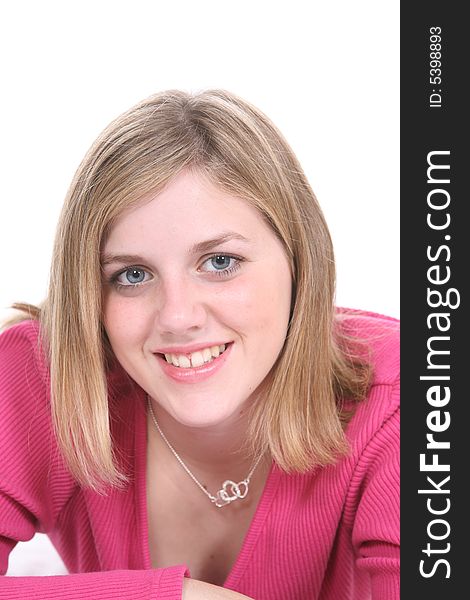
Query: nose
180	306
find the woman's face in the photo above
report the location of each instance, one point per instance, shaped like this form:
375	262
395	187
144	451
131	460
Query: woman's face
197	294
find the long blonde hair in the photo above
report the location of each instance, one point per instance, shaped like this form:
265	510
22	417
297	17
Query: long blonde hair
241	151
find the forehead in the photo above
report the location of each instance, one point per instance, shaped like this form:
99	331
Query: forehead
189	208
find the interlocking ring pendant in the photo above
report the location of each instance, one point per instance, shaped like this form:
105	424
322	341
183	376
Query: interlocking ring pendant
230	491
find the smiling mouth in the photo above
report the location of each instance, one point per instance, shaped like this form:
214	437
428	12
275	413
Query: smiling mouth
195	359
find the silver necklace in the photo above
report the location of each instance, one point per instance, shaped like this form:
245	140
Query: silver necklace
229	492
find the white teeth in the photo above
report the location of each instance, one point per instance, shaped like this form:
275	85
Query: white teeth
195	359
184	361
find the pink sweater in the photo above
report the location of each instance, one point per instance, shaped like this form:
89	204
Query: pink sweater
331	534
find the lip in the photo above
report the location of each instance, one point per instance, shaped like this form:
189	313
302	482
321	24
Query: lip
188	349
193	374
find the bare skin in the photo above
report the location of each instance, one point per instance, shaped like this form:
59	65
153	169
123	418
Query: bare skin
199	590
184	526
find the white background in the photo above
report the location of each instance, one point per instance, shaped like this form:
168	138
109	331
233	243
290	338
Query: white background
325	72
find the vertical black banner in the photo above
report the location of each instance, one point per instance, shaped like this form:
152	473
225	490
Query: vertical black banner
436	332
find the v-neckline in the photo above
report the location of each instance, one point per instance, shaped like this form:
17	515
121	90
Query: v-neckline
140	488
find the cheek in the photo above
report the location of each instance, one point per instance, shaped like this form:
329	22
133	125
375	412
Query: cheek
259	303
272	295
272	315
123	321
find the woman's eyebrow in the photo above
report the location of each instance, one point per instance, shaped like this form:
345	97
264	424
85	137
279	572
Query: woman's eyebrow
199	248
206	245
107	259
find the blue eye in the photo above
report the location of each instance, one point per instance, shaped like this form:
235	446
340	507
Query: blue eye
135	275
132	277
221	264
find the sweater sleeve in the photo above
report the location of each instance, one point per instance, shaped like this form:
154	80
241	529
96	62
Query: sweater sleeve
35	486
158	584
376	529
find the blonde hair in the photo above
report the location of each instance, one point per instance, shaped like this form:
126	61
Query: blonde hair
299	420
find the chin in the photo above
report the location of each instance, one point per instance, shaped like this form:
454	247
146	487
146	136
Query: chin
197	414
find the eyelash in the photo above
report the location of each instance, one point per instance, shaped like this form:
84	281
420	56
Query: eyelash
132	286
113	280
226	272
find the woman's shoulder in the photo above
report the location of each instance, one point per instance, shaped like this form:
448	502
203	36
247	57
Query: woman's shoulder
32	472
21	341
378	340
26	428
23	371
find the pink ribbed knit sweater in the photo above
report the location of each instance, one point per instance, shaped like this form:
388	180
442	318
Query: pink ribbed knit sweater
331	534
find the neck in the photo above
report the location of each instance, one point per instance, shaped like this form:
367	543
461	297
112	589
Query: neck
218	452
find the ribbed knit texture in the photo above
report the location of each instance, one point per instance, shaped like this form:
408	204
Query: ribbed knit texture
331	534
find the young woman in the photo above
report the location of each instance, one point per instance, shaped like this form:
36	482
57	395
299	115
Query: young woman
188	415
